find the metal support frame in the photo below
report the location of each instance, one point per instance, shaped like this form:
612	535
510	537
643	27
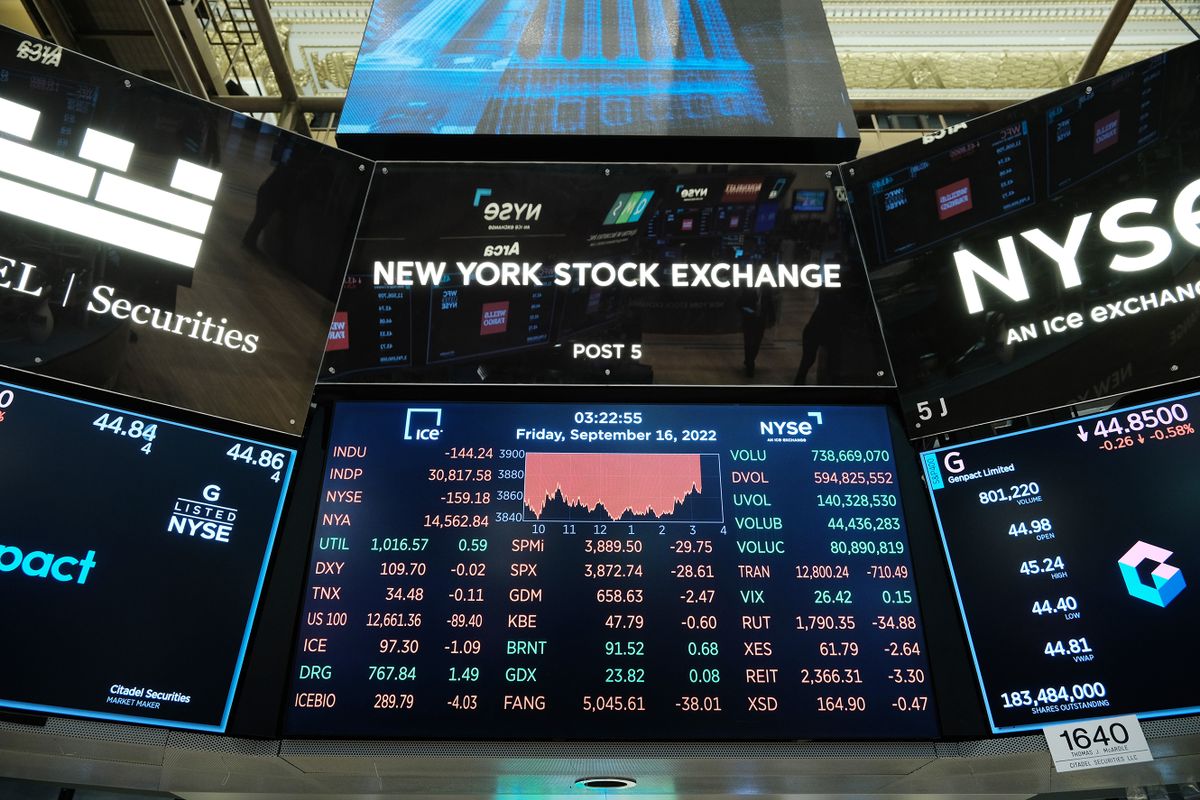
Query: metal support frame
173	47
198	48
292	115
1104	40
51	15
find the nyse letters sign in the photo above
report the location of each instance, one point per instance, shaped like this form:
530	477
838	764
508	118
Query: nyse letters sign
1044	255
162	246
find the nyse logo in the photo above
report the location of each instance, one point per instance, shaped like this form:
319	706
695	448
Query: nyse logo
1117	225
430	418
691	194
507	212
790	430
203	519
90	196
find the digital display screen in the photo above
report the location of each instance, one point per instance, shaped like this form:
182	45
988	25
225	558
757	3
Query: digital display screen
678	274
549	571
1072	549
470	321
704	67
953	189
1044	255
164	247
808	200
131	560
372	327
1096	128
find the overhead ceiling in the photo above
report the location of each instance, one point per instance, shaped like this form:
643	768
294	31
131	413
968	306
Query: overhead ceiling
911	55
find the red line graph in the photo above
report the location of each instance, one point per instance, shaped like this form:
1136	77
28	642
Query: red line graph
640	483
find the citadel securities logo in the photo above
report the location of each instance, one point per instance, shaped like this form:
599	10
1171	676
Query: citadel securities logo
1168	580
203	519
94	199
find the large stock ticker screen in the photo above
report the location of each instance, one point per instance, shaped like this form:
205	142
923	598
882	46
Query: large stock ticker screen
1071	548
132	556
610	572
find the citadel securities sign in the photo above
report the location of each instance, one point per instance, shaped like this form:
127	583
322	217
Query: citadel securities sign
1068	267
164	247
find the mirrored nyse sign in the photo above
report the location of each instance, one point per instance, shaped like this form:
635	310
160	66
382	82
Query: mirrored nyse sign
161	246
1044	255
702	67
576	273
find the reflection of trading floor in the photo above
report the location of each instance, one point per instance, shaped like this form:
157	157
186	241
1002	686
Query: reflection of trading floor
718	359
261	300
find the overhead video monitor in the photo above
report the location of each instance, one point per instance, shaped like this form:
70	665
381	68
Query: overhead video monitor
1073	551
680	274
622	572
132	557
670	70
164	247
1044	255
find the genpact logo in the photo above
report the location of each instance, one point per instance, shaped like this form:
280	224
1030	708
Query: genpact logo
39	564
99	203
1168	580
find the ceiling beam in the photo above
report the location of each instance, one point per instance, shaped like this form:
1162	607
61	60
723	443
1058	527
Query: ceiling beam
292	113
183	69
1104	40
54	20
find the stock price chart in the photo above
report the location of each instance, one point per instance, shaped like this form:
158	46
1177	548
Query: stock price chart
508	571
1071	549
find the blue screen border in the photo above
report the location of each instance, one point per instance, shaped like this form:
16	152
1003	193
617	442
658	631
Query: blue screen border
932	477
262	577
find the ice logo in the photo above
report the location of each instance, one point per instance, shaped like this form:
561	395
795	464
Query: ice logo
1168	580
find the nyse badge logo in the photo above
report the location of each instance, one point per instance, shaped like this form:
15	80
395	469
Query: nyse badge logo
1168	580
791	430
339	333
423	424
494	318
91	197
203	519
